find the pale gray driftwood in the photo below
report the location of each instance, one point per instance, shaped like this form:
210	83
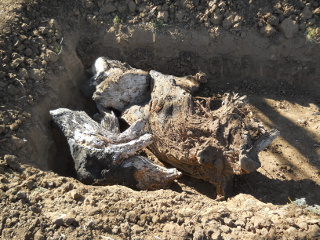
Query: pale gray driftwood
102	154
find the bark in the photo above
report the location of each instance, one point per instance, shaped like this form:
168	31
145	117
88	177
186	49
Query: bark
104	156
111	81
208	144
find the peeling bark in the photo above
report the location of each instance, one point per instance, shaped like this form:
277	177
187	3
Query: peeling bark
212	145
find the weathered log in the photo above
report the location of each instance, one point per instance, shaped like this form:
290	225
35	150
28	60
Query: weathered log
212	145
111	81
103	155
101	69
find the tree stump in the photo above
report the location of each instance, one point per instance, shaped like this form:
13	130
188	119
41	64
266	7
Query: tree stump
103	156
207	144
179	129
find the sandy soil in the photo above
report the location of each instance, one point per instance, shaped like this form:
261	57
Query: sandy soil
266	50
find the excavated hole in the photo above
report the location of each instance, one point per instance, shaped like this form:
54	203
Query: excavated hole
228	69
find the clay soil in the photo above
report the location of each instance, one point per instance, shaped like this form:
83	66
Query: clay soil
267	50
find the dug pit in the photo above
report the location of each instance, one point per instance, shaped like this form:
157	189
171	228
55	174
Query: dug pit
267	50
242	62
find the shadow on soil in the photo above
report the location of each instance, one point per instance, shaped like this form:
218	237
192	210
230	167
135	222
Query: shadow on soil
276	191
295	135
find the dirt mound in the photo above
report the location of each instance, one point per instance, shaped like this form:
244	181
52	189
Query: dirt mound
268	50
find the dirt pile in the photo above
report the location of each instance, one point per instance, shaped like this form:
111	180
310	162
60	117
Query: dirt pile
42	205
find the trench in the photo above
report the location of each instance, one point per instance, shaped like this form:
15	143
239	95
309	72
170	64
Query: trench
232	61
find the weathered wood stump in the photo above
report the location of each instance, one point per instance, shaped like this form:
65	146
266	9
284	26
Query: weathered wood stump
205	143
212	145
103	156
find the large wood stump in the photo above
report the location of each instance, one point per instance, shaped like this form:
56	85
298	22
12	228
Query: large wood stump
212	145
179	129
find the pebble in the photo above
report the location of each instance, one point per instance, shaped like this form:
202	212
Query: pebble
21	195
306	14
228	22
108	8
163	16
28	52
132	6
39	235
51	56
36	74
216	235
268	30
23	73
289	28
58	220
76	195
14	126
225	228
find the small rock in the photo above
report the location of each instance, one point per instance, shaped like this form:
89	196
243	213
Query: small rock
240	223
260	222
12	90
137	229
314	230
302	26
180	15
163	16
51	56
36	74
18	142
132	6
39	235
16	62
228	221
289	28
54	24
216	18
292	231
28	52
21	195
70	221
125	228
108	8
14	127
155	219
12	161
303	225
25	27
316	11
216	235
268	30
58	219
313	221
228	22
35	209
264	232
311	22
306	14
23	73
122	8
75	194
225	229
115	230
273	20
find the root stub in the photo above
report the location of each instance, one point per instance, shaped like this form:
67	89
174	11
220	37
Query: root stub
212	145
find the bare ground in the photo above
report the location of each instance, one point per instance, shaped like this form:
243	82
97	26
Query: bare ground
43	68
